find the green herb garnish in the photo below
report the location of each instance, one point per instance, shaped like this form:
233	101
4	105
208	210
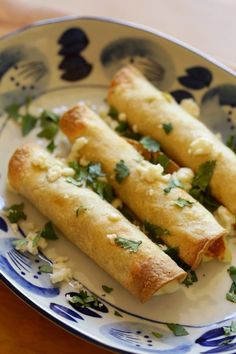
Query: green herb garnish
168	127
107	289
48	232
231	294
16	213
51	146
130	245
45	268
181	202
116	313
19	243
231	143
13	111
177	329
113	113
190	279
150	144
90	176
163	160
83	299
157	335
230	329
49	124
28	123
121	170
154	231
173	183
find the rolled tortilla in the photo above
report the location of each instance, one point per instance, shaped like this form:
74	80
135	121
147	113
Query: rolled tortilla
193	230
95	228
190	143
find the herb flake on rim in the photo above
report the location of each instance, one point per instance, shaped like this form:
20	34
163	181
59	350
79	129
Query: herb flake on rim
118	314
130	245
177	329
107	289
157	335
230	329
48	232
16	213
45	268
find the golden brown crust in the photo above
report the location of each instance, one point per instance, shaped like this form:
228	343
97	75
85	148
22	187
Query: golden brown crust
192	230
142	273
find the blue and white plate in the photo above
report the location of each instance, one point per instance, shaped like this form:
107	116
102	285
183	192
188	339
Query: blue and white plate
58	63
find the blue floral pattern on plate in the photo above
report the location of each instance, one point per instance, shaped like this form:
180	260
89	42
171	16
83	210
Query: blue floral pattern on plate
80	56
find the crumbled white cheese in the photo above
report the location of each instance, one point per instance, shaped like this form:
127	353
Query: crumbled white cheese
219	136
67	171
54	173
117	203
200	146
60	272
185	175
111	237
226	219
33	243
39	160
122	117
14	228
76	285
189	105
111	122
77	146
114	217
151	173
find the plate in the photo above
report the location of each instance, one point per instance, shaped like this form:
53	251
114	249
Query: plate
62	61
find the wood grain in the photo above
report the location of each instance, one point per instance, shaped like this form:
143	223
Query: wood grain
24	331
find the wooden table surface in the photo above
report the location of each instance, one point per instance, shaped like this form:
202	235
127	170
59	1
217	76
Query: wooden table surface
25	331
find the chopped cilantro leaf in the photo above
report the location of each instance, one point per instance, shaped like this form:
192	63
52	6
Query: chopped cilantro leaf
121	170
48	116
45	268
107	289
168	127
157	335
163	160
48	232
51	146
118	314
73	181
95	170
28	123
173	183
232	272
177	329
190	279
231	143
36	240
130	245
230	329
154	231
122	127
113	113
150	144
181	202
19	243
231	297
16	213
13	111
49	131
83	299
103	189
203	176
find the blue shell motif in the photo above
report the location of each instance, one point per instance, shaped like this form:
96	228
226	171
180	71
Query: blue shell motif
24	270
150	58
24	72
74	66
216	338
